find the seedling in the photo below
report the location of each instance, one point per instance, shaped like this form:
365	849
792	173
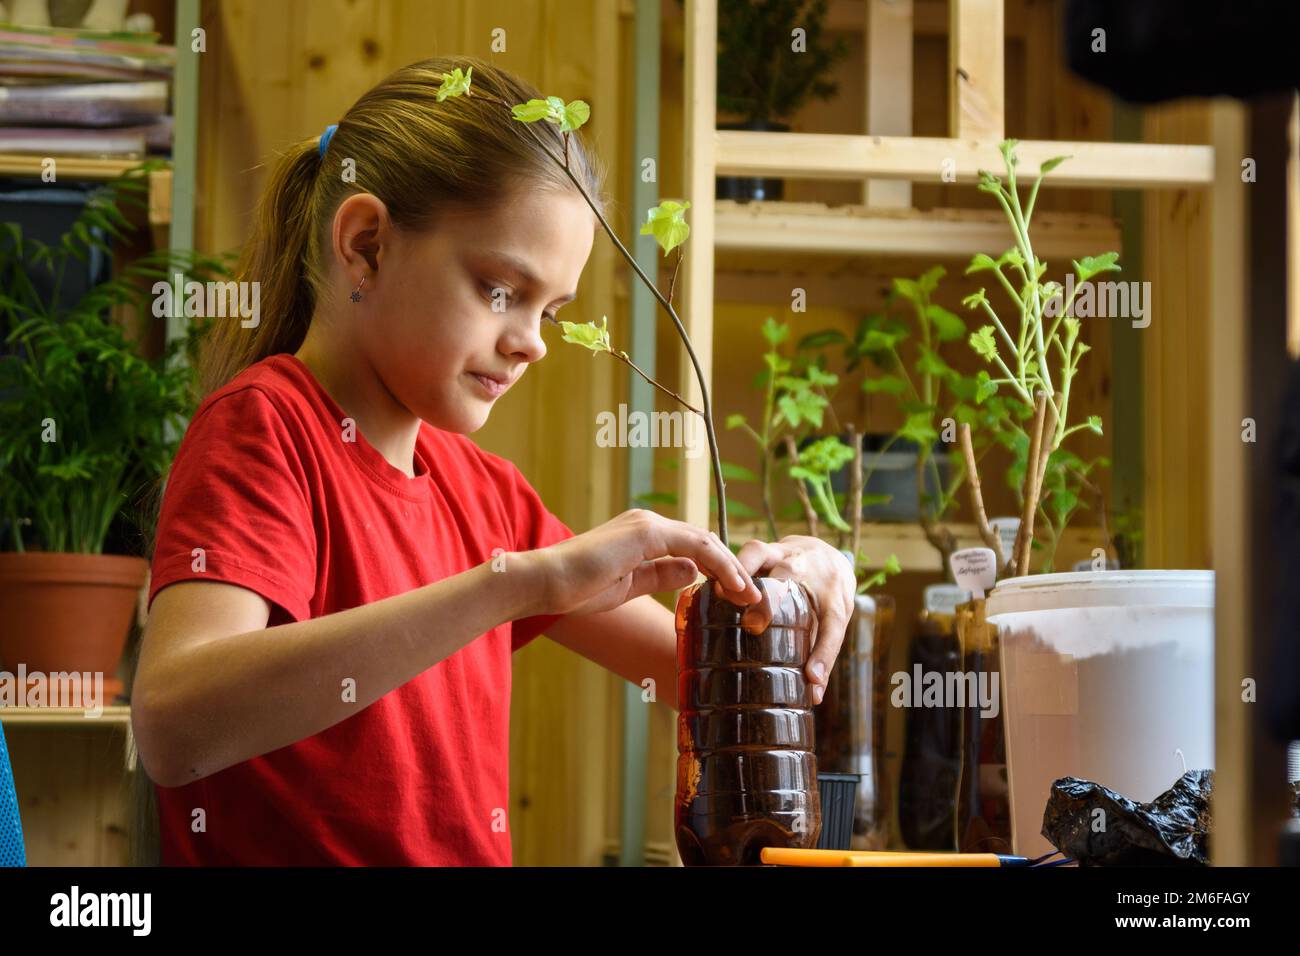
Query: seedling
797	398
934	397
1045	341
666	222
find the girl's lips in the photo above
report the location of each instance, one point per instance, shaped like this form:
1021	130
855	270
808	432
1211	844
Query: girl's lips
489	385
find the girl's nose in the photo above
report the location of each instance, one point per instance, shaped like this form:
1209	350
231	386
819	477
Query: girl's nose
525	341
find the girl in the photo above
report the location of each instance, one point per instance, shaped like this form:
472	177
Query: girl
339	574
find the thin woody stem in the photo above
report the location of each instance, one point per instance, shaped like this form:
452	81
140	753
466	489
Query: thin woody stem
809	512
718	483
622	356
987	534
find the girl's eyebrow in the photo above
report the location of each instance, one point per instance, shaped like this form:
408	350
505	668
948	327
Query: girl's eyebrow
522	269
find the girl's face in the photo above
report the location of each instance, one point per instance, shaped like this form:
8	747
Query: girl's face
459	308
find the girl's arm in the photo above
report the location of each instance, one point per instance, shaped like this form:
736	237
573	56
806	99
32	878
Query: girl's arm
215	686
636	640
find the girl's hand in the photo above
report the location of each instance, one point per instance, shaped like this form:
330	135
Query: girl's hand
830	581
639	552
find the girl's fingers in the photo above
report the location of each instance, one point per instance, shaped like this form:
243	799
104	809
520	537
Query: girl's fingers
713	558
832	624
758	557
662	574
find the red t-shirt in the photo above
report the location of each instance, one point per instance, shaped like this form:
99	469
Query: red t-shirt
281	504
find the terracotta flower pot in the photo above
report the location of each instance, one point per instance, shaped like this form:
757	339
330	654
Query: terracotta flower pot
67	612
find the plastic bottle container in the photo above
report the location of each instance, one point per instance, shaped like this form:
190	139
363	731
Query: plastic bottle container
746	766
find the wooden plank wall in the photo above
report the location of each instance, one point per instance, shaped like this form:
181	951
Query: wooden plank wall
279	72
1175	358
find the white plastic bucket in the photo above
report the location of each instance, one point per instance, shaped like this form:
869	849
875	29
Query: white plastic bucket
1106	675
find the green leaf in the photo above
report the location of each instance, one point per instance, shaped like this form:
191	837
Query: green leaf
893	384
817	376
918	429
986	387
930	364
823	457
736	421
532	111
1094	423
734	472
574	115
964	414
1011	257
1089	266
776	362
775	332
588	335
989	183
975	299
983	343
455	83
909	289
928	281
1050	164
981	263
948	326
818	340
878	340
667	223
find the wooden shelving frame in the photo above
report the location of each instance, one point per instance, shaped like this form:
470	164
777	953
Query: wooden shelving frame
887	159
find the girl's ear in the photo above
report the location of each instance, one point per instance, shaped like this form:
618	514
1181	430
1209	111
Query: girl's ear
362	231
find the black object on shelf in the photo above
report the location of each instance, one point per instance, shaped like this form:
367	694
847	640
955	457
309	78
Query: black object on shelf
746	188
838	793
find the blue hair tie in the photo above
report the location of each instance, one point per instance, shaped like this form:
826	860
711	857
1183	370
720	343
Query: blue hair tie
325	138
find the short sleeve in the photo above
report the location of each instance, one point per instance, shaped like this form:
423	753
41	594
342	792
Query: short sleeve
535	527
236	507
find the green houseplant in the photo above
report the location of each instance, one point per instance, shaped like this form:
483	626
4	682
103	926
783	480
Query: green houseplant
1035	358
773	57
87	426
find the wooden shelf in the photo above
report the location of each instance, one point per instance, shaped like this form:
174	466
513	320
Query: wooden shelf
922	158
936	233
83	168
115	715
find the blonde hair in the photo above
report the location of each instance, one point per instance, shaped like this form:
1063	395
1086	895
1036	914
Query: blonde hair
415	154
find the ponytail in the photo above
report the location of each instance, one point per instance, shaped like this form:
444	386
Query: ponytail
277	256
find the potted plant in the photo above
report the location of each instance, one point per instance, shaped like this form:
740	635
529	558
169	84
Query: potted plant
782	807
87	425
767	71
1107	675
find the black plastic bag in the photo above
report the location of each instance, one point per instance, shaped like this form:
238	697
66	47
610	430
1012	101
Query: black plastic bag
1171	830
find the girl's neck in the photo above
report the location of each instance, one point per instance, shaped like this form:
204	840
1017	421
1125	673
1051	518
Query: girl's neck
358	390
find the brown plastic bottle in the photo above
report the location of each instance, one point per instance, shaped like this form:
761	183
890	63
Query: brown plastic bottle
746	765
983	820
850	721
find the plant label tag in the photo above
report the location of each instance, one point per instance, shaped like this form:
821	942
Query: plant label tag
974	569
944	598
